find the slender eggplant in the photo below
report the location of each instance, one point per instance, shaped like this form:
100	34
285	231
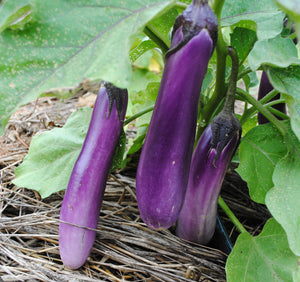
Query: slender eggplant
82	201
165	159
264	88
212	155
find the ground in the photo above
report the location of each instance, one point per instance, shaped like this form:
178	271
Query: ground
125	249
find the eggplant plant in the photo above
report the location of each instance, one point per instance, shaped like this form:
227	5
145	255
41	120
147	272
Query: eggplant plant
82	202
47	48
164	163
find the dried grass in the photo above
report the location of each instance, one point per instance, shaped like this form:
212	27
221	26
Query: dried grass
124	250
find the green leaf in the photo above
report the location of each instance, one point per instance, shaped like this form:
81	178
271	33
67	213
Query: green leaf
15	13
262	16
52	155
242	40
260	150
283	199
277	51
142	48
67	41
119	153
162	25
287	81
291	8
265	257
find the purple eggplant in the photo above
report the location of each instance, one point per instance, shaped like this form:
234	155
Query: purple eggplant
198	216
264	88
162	173
82	201
213	153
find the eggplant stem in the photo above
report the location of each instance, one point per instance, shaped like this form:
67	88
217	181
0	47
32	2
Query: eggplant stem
230	97
231	216
245	95
220	88
137	115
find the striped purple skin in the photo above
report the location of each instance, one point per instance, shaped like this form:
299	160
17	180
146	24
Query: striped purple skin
82	201
197	218
264	88
165	159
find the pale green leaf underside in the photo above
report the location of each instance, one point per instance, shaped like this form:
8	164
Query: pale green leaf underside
260	150
265	257
51	157
283	200
263	16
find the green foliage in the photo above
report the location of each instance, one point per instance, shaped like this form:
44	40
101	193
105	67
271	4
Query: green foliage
66	42
261	16
52	155
265	257
283	199
278	51
260	150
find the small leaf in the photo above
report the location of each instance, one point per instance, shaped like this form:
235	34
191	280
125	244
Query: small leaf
119	153
15	13
242	40
265	257
277	51
283	199
52	155
260	150
262	16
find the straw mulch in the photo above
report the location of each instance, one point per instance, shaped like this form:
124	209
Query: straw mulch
124	250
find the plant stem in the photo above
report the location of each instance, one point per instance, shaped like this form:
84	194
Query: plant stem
156	39
230	96
231	216
220	88
262	109
249	112
137	115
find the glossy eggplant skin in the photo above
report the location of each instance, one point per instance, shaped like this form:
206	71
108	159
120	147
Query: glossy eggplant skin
82	201
264	88
163	168
198	216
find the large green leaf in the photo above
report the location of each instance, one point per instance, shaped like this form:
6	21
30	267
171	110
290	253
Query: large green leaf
261	148
69	40
278	51
262	16
52	155
287	81
283	200
265	257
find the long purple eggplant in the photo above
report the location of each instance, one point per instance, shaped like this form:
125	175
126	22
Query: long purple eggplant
165	159
198	216
212	155
82	201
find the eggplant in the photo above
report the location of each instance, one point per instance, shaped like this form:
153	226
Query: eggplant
83	198
212	155
164	163
264	88
211	158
